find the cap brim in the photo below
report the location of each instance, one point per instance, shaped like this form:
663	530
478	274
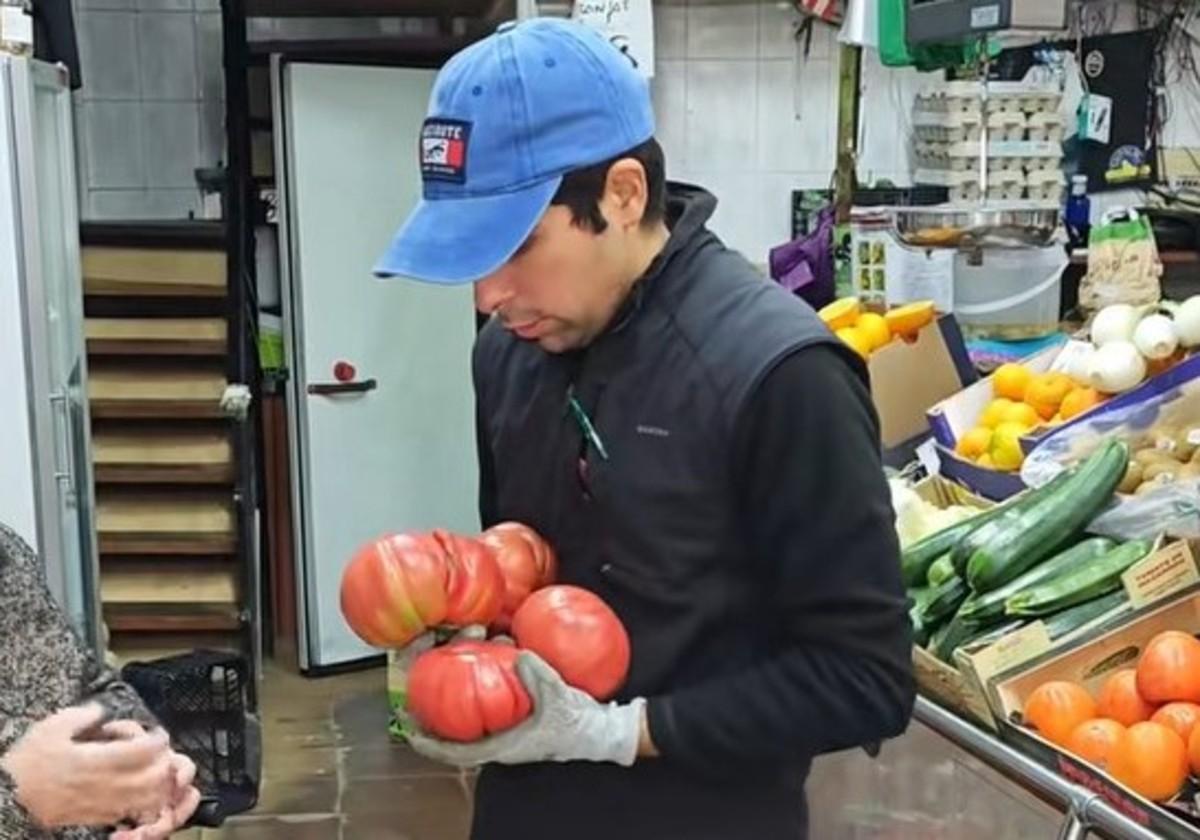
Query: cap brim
461	240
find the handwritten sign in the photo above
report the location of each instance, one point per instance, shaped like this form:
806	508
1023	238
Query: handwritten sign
1017	647
1163	573
628	24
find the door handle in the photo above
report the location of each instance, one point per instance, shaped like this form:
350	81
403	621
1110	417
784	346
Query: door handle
332	388
58	402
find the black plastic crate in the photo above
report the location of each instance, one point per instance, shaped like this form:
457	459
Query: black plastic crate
199	697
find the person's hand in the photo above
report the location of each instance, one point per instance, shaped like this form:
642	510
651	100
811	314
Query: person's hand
63	781
566	725
402	724
184	797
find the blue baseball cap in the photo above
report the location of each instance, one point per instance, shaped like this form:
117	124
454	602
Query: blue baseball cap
508	116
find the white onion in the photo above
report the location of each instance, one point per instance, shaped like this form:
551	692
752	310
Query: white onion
1187	321
1114	323
1155	337
1116	367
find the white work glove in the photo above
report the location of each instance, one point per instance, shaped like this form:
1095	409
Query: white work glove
566	725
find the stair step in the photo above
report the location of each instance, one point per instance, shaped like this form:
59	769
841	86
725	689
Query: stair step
196	455
169	272
163	390
174	336
171	618
165	523
180	582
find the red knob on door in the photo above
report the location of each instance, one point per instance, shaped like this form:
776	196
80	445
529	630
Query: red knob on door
344	372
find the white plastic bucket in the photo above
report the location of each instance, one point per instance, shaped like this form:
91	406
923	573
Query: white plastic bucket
1012	294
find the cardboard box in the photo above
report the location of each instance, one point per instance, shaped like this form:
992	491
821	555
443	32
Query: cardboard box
1170	569
1107	650
954	416
907	378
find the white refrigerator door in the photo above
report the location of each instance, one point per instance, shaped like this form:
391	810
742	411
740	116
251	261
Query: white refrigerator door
402	455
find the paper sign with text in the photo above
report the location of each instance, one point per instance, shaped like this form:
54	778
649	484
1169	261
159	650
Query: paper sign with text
628	24
1165	572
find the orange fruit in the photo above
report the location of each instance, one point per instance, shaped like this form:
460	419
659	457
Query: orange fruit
843	312
910	318
1151	760
993	412
856	339
1182	717
1119	699
1046	392
1056	708
1022	413
1194	750
1095	741
1005	448
1010	380
1169	668
974	443
1079	400
875	327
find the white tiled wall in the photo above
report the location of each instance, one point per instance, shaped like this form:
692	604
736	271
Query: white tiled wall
743	113
151	110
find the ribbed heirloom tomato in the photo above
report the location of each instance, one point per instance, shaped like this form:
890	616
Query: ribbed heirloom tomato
394	588
474	584
578	635
525	559
464	691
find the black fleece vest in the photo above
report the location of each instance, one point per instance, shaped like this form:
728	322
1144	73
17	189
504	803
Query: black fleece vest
653	528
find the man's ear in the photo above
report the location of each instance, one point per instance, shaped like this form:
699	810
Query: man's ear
626	193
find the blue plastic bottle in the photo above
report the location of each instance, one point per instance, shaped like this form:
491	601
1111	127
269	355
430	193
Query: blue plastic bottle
1078	213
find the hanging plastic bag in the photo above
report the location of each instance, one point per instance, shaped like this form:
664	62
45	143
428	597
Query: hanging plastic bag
804	266
1123	263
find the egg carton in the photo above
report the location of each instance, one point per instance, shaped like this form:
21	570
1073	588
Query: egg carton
1045	184
1047	127
946	127
1022	97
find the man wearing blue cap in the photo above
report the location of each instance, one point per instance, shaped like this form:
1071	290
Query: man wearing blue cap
700	450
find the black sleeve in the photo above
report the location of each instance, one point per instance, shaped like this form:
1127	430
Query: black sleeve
819	519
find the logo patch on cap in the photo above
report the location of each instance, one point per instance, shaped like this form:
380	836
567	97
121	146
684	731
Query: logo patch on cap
444	150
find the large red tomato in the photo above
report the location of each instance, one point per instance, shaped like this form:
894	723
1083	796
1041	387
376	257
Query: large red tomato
526	560
394	588
474	584
466	690
578	634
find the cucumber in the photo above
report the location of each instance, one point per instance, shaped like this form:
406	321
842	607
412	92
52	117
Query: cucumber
1008	511
943	602
1053	520
1087	583
918	557
1072	618
990	606
941	570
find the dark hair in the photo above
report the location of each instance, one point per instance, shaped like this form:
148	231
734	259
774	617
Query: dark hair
581	189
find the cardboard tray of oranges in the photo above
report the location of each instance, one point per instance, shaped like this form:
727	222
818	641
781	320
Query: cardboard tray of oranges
1119	714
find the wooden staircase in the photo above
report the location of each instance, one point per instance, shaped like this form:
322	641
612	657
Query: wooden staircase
171	564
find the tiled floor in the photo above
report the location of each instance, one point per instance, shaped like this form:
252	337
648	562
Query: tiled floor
331	773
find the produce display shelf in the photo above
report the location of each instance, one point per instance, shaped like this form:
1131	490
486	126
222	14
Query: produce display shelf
1084	811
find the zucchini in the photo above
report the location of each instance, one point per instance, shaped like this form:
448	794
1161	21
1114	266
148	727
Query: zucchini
941	570
918	557
1072	618
990	605
1042	528
1009	511
1087	583
948	640
994	633
943	602
917	599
